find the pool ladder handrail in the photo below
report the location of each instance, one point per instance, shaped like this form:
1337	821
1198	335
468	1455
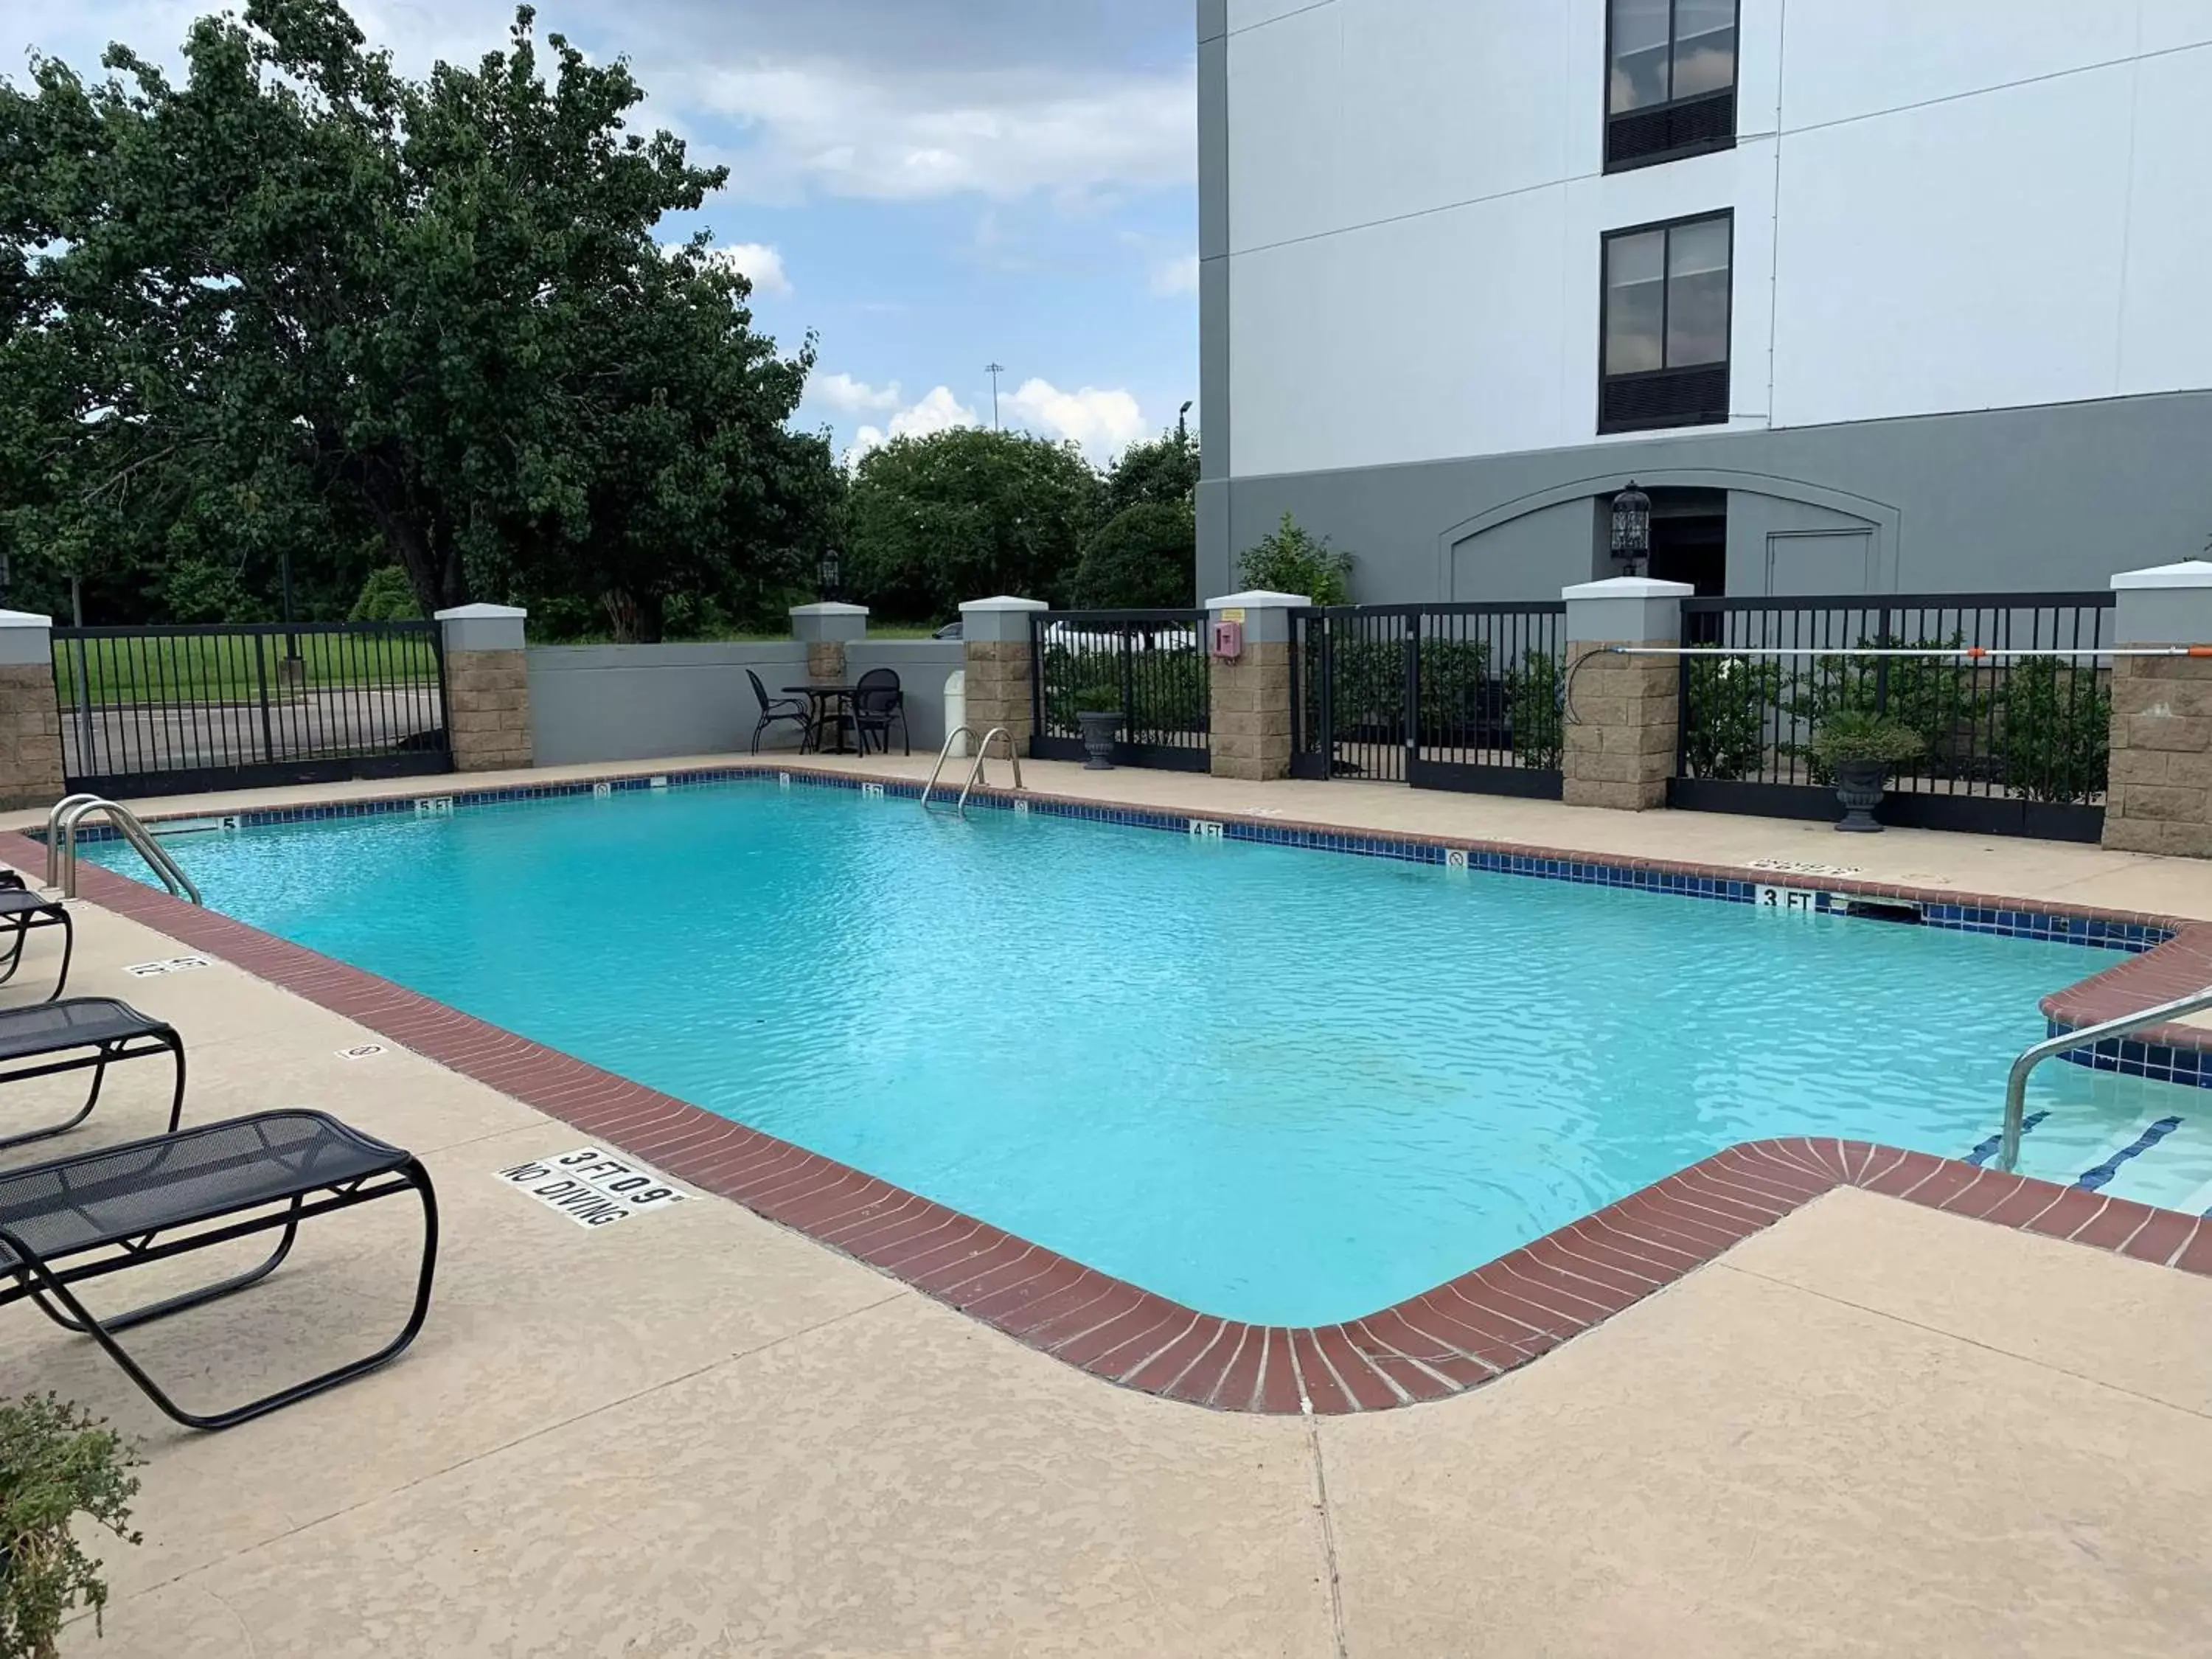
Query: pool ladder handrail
2087	1037
975	772
61	846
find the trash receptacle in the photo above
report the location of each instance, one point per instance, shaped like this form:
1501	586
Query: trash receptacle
956	712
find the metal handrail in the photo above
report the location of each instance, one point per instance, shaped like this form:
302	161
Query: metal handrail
61	846
944	755
982	753
54	835
2087	1037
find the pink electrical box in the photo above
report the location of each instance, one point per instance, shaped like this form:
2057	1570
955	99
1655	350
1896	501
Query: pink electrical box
1228	641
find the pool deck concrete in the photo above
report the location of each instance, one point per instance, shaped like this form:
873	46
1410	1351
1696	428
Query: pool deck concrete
1871	1428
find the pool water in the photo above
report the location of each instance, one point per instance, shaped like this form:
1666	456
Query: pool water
1279	1085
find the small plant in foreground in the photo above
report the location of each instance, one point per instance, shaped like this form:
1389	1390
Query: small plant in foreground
57	1462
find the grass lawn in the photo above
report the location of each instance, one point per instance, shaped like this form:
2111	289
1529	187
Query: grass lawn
233	667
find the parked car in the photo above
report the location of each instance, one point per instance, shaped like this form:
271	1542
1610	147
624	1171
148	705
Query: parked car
950	631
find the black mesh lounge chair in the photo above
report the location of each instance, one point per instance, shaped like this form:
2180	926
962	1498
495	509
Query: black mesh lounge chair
65	1222
23	912
877	701
775	709
111	1031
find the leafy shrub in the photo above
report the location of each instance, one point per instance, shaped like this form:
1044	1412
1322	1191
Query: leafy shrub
386	596
2057	732
1537	709
1293	560
57	1464
1942	699
1168	689
1098	698
1731	700
1854	735
1371	686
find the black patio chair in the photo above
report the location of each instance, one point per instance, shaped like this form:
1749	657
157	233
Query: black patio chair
876	703
76	1219
112	1031
775	709
22	913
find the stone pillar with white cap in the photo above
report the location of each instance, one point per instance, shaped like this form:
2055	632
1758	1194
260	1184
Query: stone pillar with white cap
825	630
487	687
1623	712
1000	665
1251	739
2159	798
30	713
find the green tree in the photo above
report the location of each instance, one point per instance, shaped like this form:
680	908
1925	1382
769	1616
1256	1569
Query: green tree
1165	469
1143	558
965	514
1293	560
1144	554
299	300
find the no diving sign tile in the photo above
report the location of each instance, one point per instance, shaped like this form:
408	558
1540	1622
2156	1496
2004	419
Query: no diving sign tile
592	1187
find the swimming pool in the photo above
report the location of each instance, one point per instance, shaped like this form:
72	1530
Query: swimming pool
1275	1084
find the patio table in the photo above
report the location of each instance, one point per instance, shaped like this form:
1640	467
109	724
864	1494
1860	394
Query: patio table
827	703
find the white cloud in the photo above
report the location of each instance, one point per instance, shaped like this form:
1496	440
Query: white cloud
850	131
756	262
885	99
1104	422
850	396
1173	277
940	412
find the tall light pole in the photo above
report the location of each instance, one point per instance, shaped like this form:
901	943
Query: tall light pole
995	370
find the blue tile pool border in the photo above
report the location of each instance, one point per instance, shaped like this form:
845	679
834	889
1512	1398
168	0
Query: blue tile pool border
2010	921
2160	1062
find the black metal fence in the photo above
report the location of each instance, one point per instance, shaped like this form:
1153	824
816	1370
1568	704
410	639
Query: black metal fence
1440	696
1152	665
2012	745
168	710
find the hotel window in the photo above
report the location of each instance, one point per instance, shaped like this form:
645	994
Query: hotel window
1664	325
1670	69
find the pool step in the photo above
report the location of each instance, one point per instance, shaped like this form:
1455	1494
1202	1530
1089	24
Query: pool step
2168	1161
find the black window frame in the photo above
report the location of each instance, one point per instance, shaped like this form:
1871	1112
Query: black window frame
1695	395
1702	125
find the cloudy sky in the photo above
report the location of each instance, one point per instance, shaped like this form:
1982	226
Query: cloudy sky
931	185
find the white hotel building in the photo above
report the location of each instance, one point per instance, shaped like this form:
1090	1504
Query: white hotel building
1871	296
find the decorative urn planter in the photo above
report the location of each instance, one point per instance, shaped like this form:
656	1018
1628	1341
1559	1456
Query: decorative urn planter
1860	784
1099	727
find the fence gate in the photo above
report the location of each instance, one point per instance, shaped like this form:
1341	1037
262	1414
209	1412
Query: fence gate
1152	664
1439	696
152	711
2012	746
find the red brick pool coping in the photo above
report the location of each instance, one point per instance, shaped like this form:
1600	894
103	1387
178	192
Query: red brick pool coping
2166	974
1457	1336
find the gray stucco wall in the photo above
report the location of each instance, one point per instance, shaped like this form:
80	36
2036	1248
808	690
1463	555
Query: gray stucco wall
923	666
622	702
2055	497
